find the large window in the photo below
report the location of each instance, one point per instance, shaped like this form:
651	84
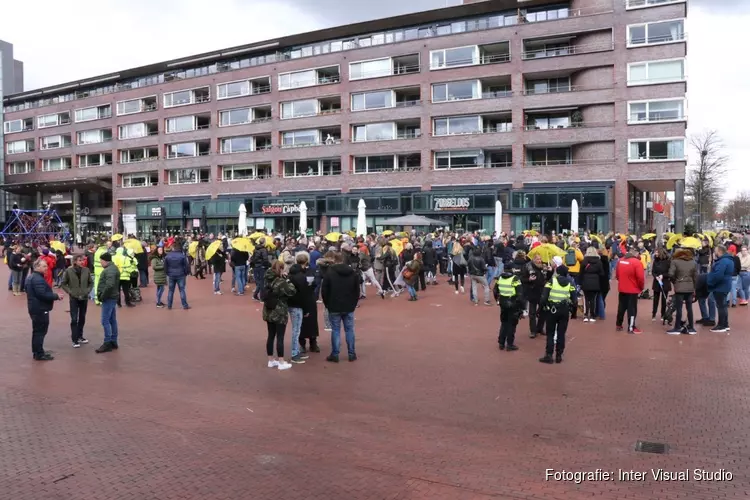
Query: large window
548	85
374	132
182	150
53	120
656	149
139	180
656	111
55	164
456	91
372	100
139	105
233	89
302	168
20	167
188	176
179	98
245	172
450	58
180	124
448	160
15	147
54	142
237	116
653	72
457	125
370	69
242	144
297	109
300	138
655	33
549	156
94	160
94	136
374	164
93	113
21	125
132	131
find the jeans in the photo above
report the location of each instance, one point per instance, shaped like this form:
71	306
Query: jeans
369	275
412	291
336	320
143	277
490	274
109	320
180	282
259	274
295	314
217	281
159	294
722	309
600	306
39	327
500	267
612	265
77	318
240	279
326	319
708	313
745	285
687	298
475	282
733	292
15	278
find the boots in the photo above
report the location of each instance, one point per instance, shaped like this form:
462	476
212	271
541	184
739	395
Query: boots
314	345
16	289
546	359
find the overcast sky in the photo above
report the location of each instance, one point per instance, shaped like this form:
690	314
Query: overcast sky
102	36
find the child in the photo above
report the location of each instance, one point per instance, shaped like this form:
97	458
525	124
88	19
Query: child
509	293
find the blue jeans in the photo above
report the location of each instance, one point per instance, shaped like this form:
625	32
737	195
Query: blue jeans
109	320
295	313
490	274
600	306
143	277
612	266
240	279
348	320
499	266
180	282
732	298
217	281
159	294
721	307
326	319
708	313
745	285
259	275
412	291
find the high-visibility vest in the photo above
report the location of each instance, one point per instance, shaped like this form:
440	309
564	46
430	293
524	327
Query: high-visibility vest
507	286
97	255
559	293
121	261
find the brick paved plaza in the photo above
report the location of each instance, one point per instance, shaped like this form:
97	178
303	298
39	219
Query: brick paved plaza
187	409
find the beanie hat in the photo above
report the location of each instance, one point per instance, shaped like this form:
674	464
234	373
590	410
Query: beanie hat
45	251
558	261
106	257
562	271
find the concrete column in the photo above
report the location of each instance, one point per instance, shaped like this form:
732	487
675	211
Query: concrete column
679	206
77	216
38	200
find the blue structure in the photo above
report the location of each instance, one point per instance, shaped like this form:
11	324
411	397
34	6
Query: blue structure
35	224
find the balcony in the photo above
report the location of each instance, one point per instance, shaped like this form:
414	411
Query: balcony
483	88
18	147
387	131
387	66
404	98
53	120
94	160
187	123
306	138
54	142
188	176
141	105
21	125
139	180
244	116
567	45
231	173
472	124
138	130
245	144
383	164
309	78
93	113
471	55
94	136
470	159
139	155
312	168
188	149
187	97
310	107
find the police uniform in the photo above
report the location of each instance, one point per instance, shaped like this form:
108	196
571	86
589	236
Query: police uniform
509	292
557	299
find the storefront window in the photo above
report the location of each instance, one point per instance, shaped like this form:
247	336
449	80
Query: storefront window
484	201
595	199
334	204
566	199
523	200
420	202
546	200
389	203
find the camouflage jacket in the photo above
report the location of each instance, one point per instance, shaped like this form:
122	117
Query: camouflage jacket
282	289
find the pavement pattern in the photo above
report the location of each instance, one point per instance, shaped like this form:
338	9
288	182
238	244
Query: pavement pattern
431	410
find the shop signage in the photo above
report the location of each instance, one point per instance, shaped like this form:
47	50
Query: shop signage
447	204
58	198
280	209
155	211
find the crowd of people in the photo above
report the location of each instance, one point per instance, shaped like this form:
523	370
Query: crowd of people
547	279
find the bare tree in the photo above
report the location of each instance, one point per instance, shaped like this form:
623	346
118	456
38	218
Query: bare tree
737	210
704	183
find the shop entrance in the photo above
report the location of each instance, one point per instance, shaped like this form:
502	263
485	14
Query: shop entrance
287	225
545	223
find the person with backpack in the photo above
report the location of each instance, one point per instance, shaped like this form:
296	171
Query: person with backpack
275	296
572	260
508	292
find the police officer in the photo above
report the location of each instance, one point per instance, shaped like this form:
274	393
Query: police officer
558	297
509	293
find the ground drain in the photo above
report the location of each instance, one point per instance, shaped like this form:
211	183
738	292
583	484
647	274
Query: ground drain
651	447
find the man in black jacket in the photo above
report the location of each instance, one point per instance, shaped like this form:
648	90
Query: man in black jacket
259	263
78	282
40	299
301	304
477	271
340	292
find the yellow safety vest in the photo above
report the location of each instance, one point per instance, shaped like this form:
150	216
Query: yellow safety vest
97	255
121	261
559	293
507	286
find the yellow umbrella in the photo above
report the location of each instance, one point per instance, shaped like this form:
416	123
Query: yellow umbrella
212	248
707	237
243	245
725	234
134	245
546	251
398	246
387	232
116	237
672	240
192	248
256	235
690	242
57	245
712	234
351	233
596	238
333	237
531	232
402	234
648	236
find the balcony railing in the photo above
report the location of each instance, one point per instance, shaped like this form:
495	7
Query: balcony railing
141	160
408	69
634	4
505	127
583	124
567	51
172	156
568	162
146	184
494	58
566	89
497	164
97	165
147	134
677	37
293	175
326	142
397	170
498	94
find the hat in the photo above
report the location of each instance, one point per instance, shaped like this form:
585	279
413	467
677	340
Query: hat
561	270
45	251
557	260
106	257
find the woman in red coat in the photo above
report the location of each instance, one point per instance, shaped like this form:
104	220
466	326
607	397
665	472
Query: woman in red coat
51	260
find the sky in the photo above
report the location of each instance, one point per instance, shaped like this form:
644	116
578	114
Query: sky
104	36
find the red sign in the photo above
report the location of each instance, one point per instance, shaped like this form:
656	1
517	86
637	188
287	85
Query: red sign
658	207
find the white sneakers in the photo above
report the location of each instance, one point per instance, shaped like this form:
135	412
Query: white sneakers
585	320
462	290
456	292
273	364
280	364
218	293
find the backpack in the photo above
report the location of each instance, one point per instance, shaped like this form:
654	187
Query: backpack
268	297
570	257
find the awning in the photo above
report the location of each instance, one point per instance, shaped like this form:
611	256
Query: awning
411	220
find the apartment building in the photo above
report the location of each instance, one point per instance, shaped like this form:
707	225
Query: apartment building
536	103
11	82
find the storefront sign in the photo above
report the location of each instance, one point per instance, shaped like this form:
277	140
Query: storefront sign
448	204
155	211
280	209
58	198
196	223
334	222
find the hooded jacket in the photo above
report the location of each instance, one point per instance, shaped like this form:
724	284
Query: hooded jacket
682	271
303	297
661	268
340	289
720	277
630	275
281	289
591	273
429	255
157	264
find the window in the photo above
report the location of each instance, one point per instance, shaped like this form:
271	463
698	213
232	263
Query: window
457	125
447	160
374	164
136	105
549	156
237	116
94	136
370	69
137	155
656	150
655	33
296	109
653	72
20	167
182	150
555	120
245	172
54	142
132	131
372	100
450	58
180	124
242	144
374	132
55	164
184	97
53	120
309	77
548	86
93	113
18	125
301	168
656	111
188	176
233	89
300	138
16	147
639	4
139	180
94	160
456	91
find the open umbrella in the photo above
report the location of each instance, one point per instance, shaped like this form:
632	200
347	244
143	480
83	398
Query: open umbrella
256	235
596	238
133	244
333	237
212	248
243	245
531	232
192	248
387	232
116	237
690	242
546	251
648	236
712	234
673	240
57	245
398	246
361	219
